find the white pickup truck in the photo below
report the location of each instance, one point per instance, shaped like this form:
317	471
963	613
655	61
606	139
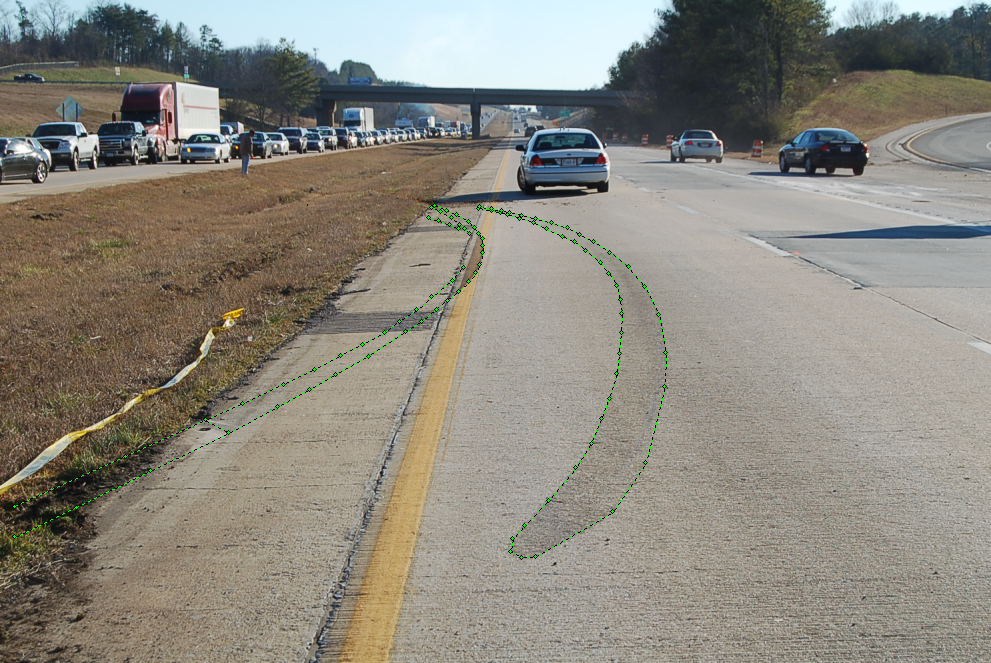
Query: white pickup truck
69	143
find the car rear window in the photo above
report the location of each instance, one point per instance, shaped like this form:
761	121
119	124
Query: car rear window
700	134
835	135
567	141
291	132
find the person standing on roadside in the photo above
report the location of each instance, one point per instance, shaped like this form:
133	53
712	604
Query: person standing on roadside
246	147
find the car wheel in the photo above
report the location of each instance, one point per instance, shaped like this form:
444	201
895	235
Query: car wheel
217	160
858	170
673	157
809	168
74	163
520	179
182	161
228	159
708	160
94	159
719	159
530	190
830	170
134	158
681	159
40	173
603	188
783	164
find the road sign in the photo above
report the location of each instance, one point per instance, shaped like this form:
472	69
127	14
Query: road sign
185	73
69	110
565	113
116	71
362	80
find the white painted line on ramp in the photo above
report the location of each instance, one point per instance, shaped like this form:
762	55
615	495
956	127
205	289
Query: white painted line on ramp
983	347
764	245
687	210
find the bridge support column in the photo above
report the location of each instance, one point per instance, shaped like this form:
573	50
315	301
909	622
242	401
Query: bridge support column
476	120
325	112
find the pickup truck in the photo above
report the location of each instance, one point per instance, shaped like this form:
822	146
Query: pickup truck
29	78
69	143
126	141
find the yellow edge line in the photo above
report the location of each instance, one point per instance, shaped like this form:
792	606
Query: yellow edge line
376	614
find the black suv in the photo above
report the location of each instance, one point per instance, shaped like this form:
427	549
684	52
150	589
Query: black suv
297	138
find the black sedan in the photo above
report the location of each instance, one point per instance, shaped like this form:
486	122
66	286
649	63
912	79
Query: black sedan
20	161
261	146
828	149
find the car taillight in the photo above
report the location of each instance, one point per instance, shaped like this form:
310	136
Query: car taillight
824	148
865	146
535	160
719	143
688	142
601	160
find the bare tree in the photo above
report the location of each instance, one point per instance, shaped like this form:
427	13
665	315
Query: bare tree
870	14
6	26
53	16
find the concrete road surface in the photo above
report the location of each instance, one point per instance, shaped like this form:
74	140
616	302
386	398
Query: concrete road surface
964	142
817	487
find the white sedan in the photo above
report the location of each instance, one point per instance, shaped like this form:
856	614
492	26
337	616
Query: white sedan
697	144
280	144
563	157
205	147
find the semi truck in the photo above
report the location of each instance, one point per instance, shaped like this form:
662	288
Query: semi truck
358	119
426	121
404	123
172	112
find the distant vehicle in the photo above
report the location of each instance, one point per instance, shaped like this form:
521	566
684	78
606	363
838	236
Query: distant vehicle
206	147
346	138
29	78
36	145
365	139
314	141
563	157
516	130
172	112
426	121
69	143
126	141
828	149
19	160
297	138
231	129
261	145
359	119
697	144
404	122
330	141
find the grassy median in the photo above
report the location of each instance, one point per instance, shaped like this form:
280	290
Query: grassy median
108	292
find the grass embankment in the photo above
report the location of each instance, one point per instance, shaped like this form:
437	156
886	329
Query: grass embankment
108	292
106	74
873	103
23	106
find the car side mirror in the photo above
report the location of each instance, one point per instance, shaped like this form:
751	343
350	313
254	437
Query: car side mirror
520	148
83	135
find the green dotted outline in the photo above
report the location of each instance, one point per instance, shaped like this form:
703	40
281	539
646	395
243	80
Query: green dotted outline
619	353
457	222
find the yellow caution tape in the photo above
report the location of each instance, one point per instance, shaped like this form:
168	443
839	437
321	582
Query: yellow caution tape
54	450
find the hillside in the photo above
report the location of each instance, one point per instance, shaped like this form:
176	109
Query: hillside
106	74
872	103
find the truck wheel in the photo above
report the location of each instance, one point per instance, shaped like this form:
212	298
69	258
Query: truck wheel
134	157
94	160
153	155
74	162
228	159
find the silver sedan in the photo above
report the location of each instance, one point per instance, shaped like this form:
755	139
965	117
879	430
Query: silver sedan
563	157
205	147
280	144
697	144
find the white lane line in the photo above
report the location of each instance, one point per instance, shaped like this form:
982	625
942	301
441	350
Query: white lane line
687	210
983	347
645	190
764	245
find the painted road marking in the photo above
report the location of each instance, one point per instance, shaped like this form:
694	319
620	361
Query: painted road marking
764	245
980	345
687	210
373	626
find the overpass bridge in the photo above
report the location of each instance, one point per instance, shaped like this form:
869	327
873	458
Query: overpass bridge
329	95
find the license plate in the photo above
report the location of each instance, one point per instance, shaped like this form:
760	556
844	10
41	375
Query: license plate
569	163
844	148
705	144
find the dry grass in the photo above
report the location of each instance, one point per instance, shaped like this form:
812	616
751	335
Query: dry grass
23	106
872	103
133	74
108	292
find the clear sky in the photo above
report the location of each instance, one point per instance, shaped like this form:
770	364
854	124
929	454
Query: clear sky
468	43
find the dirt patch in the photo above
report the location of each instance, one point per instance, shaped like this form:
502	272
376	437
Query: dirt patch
108	292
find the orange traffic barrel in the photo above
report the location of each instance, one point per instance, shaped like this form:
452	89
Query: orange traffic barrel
758	151
670	140
643	140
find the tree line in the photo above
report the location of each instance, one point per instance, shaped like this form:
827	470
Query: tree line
269	82
742	66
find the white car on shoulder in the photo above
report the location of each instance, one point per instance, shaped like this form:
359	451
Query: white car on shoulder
697	144
563	157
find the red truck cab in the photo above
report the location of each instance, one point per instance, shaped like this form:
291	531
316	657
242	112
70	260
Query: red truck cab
153	104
